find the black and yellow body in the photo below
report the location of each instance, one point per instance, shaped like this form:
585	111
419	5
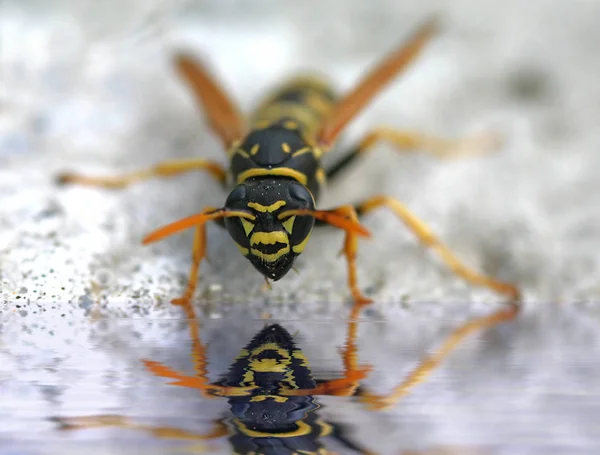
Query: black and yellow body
275	176
267	422
277	168
273	396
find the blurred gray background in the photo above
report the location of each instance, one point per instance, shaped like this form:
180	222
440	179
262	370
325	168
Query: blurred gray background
88	86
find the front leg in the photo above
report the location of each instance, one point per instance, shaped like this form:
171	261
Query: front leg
353	372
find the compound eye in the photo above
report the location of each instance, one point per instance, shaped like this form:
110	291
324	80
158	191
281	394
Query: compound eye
237	196
301	194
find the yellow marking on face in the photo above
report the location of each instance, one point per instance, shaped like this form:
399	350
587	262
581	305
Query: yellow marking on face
247	225
288	224
278	171
300	247
290	125
266	208
301	430
302	151
320	176
286	147
269	238
272	257
270	347
276	398
248	378
254	149
243	250
268	366
317	152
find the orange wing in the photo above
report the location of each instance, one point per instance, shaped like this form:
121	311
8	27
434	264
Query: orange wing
222	114
373	82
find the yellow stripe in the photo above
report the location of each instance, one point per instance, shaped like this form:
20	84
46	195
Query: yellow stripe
270	257
301	114
288	224
247	225
302	151
276	398
243	250
278	171
269	238
303	429
300	247
290	125
266	208
320	176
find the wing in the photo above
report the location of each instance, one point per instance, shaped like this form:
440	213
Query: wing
371	84
222	114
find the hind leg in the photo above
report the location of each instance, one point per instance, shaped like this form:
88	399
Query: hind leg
409	141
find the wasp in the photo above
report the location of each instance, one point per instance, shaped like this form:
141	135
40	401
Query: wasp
273	395
275	173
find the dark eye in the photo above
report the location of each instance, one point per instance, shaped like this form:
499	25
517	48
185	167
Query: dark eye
237	195
301	194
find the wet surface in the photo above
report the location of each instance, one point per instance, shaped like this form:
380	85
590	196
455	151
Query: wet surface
88	86
531	381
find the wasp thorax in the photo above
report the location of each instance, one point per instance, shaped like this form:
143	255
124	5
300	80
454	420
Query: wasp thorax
272	239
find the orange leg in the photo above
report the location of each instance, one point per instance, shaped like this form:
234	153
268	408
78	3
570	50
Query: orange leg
353	372
198	253
420	229
412	141
345	218
163	169
429	364
437	146
349	250
200	379
101	421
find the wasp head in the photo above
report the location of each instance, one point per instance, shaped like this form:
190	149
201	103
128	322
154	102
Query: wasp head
272	240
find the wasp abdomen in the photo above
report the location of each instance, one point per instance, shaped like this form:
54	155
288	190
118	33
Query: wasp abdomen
301	103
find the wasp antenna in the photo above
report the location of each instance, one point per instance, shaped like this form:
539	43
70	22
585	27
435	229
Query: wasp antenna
192	221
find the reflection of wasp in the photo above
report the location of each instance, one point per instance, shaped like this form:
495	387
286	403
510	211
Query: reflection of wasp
276	173
272	393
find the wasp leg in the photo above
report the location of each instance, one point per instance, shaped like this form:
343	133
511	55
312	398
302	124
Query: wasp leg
198	253
420	229
101	421
200	379
163	169
353	372
429	364
409	141
198	221
349	250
